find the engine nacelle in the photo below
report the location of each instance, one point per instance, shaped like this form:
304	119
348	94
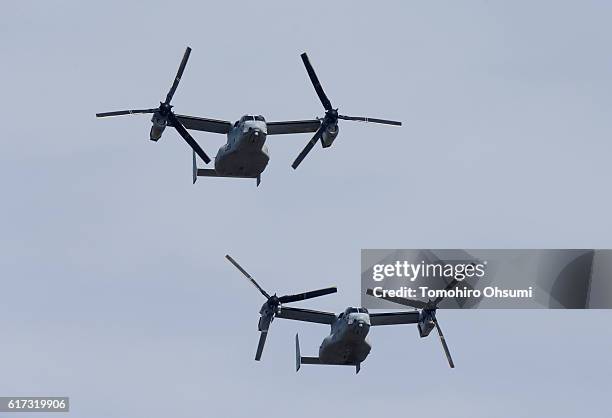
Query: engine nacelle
330	133
159	124
268	311
426	323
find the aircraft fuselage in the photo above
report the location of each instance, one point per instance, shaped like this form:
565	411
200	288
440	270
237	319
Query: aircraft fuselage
245	153
347	342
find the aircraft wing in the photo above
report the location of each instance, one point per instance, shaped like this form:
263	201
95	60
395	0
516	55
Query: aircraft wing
394	318
401	301
293	127
307	315
204	124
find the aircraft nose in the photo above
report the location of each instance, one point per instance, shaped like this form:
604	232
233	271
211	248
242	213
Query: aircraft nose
256	134
255	128
360	327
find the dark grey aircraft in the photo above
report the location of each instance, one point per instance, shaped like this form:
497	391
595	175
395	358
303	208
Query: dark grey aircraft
347	343
245	154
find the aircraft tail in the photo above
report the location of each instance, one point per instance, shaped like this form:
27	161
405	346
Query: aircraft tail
298	357
195	168
208	172
299	360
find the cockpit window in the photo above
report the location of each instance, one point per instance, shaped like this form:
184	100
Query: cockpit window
355	310
252	117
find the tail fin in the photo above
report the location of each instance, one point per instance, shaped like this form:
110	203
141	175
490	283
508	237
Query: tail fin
195	168
298	356
299	360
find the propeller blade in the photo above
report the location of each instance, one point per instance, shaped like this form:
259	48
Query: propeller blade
183	132
373	120
444	345
315	82
402	301
248	276
179	74
260	345
308	147
307	295
125	112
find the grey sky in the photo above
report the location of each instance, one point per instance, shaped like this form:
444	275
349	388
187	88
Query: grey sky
116	291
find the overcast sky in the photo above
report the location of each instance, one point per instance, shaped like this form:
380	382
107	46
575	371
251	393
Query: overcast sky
115	290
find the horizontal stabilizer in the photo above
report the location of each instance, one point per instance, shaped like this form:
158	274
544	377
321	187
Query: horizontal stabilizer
209	172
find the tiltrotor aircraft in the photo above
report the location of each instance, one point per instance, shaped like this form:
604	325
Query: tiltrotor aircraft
245	154
347	343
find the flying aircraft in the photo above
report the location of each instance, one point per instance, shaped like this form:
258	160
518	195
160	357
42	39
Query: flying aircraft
347	343
245	154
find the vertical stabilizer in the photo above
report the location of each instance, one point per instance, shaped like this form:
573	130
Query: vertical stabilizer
298	356
195	168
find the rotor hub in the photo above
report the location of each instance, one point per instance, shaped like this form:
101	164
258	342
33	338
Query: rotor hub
165	108
332	115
